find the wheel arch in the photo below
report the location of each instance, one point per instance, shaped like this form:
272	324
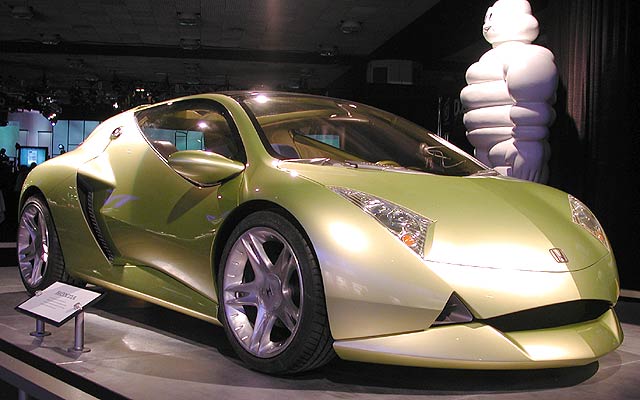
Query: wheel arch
241	212
55	262
28	192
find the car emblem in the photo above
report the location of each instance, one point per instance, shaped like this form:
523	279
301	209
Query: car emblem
558	255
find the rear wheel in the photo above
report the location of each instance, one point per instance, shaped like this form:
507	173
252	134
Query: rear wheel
271	297
39	253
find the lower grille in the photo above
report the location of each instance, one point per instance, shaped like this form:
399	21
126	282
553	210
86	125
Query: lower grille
551	316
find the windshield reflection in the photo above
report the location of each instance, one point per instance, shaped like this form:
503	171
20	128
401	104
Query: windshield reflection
316	128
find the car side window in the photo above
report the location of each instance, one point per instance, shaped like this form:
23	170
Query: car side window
198	124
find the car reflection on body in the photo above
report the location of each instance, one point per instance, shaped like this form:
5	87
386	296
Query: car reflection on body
308	227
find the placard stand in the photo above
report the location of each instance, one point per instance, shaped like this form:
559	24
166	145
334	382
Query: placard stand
40	329
78	335
58	304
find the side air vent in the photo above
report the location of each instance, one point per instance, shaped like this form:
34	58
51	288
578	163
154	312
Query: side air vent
552	316
87	202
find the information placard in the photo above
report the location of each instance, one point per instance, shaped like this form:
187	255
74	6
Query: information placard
58	303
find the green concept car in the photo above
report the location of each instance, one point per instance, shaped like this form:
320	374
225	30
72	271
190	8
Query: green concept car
310	227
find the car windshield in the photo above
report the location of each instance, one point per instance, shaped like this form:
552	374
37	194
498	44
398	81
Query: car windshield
312	128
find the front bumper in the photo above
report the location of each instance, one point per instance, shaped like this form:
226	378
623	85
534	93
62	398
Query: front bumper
479	346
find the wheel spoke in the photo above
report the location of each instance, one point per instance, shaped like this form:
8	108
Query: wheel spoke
42	230
245	294
257	256
27	253
36	273
284	265
289	314
261	337
30	224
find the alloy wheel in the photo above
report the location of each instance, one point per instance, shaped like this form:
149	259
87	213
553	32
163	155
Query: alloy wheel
263	292
33	244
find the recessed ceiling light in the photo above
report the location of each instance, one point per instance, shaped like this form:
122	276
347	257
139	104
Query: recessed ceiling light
22	12
188	18
49	38
190	44
350	26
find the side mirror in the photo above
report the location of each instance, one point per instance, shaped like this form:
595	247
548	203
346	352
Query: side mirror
204	167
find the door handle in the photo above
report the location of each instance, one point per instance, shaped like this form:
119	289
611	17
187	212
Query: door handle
116	133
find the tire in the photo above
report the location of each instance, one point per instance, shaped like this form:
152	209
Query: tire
40	257
271	297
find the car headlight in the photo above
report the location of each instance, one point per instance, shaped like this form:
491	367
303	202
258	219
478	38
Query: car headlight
582	216
410	228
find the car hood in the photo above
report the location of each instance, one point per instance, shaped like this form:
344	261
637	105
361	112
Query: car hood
490	222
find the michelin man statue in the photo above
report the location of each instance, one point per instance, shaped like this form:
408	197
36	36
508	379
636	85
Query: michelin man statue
509	94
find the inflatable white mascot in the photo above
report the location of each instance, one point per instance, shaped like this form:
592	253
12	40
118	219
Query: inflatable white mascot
509	94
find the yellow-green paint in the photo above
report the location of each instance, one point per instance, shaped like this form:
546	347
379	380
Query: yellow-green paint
489	243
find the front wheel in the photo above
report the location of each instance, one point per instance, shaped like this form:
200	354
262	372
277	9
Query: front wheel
39	253
272	298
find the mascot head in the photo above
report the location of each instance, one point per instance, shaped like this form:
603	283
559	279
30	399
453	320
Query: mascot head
510	20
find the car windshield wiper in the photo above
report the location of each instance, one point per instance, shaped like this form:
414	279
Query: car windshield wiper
486	172
376	166
313	161
350	164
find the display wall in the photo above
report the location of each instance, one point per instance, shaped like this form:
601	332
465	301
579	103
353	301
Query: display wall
70	133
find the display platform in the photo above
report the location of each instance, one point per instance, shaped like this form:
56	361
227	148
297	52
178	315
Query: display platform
142	351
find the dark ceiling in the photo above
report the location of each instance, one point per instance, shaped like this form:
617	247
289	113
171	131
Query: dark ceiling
101	50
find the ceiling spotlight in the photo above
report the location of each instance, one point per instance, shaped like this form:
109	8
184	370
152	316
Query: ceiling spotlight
188	18
22	12
52	117
190	44
350	26
328	51
49	38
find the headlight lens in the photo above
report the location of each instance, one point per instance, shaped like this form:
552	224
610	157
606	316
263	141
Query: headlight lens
582	216
410	228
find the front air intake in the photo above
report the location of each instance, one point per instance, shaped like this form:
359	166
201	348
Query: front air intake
454	312
551	316
87	202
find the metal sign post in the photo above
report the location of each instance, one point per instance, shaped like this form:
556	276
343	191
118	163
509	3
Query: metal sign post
40	329
78	337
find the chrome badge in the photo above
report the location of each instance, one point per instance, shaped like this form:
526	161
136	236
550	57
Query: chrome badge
558	255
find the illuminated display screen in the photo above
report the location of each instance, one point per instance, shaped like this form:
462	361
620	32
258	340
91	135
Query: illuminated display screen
30	155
